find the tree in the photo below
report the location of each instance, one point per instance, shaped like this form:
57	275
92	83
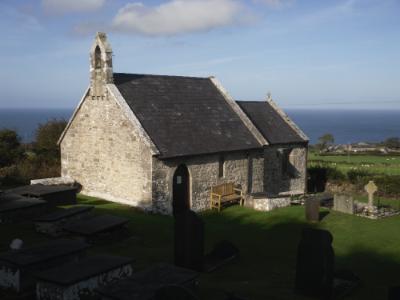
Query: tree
47	135
10	148
393	143
325	141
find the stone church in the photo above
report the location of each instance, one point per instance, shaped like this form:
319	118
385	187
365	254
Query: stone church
144	139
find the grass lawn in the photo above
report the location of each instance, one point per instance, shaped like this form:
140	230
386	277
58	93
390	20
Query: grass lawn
267	241
383	164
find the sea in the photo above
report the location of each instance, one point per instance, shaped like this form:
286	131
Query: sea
347	126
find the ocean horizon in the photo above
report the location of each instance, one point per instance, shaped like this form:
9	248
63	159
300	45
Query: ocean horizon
346	125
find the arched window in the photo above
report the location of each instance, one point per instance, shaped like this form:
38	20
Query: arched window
97	58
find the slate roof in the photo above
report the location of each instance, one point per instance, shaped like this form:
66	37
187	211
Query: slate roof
270	123
184	115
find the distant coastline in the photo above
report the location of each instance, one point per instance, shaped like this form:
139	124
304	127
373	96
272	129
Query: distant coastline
347	126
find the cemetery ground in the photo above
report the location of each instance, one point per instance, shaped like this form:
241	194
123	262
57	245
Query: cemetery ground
267	242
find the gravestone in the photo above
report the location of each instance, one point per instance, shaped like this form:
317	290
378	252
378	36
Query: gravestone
189	241
312	209
371	189
315	264
343	203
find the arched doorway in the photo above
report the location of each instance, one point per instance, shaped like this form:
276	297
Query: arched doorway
181	190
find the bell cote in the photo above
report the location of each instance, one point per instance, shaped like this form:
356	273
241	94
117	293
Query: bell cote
101	70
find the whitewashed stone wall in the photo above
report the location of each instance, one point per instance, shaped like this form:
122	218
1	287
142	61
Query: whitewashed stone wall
203	171
103	152
276	182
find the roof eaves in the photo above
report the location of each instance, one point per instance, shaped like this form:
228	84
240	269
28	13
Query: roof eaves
73	116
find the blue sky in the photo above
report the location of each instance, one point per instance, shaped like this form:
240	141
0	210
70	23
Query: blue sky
308	54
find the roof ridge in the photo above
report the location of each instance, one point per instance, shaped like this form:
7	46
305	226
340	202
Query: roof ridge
160	75
251	101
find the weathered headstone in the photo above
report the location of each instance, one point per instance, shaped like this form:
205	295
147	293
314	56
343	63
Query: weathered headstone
343	203
189	241
312	209
315	264
371	189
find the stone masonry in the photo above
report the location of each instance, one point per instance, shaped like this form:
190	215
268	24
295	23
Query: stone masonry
241	168
103	152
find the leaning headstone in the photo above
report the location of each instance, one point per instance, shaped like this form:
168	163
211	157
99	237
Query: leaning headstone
189	241
312	209
343	203
222	253
371	189
315	264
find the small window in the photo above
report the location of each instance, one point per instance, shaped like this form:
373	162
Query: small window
97	58
221	167
286	166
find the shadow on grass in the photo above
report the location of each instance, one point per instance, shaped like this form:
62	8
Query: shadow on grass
268	247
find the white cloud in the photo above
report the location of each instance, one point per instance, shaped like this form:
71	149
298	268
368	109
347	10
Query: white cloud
67	6
177	16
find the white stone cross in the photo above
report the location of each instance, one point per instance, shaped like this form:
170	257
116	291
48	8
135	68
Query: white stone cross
370	188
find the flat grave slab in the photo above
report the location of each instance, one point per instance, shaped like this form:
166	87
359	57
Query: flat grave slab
15	208
52	224
144	284
81	279
96	226
54	194
16	267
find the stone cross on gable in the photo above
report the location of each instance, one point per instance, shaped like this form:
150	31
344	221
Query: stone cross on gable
370	188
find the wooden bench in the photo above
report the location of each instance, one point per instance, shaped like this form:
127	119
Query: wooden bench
224	193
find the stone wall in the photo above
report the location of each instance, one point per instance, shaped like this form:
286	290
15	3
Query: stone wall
103	152
245	169
279	183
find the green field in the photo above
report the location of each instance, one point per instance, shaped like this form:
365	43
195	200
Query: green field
267	241
376	164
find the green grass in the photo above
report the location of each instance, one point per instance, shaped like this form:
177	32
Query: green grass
380	164
267	241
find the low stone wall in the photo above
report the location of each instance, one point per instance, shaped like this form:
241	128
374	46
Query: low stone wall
267	204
